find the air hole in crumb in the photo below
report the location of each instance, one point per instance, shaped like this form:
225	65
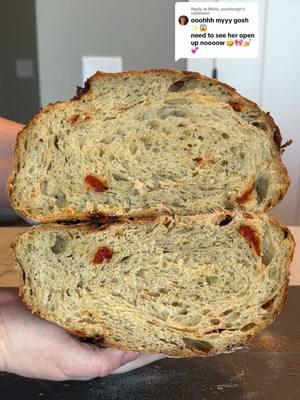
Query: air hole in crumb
133	148
100	152
248	327
200	345
163	290
262	185
285	233
118	177
140	273
56	142
60	244
126	258
268	249
215	321
153	294
226	312
260	125
211	280
187	83
225	135
177	86
166	130
226	220
182	312
166	112
228	205
268	304
108	139
43	186
152	124
60	198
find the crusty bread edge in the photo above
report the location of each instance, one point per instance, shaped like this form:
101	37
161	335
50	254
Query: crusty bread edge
86	91
104	339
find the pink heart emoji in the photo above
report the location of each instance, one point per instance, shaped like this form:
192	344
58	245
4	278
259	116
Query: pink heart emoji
193	51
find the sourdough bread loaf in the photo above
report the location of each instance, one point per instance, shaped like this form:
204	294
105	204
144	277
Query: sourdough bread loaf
196	285
147	143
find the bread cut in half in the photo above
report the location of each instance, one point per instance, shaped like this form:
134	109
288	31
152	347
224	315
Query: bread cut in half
148	143
179	286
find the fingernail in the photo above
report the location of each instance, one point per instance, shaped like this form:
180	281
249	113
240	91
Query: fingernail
129	356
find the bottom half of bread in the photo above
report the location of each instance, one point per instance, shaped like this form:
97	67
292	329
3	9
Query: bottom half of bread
197	285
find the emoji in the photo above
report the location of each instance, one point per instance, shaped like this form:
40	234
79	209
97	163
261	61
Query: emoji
247	44
194	27
203	28
230	42
194	50
238	42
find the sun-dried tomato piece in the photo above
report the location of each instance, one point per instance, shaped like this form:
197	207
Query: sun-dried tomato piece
102	254
203	160
76	118
246	195
198	160
251	237
73	118
236	106
97	184
267	304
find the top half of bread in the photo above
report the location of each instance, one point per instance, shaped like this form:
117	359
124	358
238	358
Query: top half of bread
147	142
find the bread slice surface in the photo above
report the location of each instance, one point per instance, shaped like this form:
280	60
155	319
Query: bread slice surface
147	143
193	285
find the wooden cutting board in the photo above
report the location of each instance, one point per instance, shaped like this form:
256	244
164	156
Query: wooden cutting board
9	277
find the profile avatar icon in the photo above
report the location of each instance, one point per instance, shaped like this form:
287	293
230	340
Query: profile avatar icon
183	20
203	28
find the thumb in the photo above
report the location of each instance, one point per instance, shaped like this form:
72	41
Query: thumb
90	361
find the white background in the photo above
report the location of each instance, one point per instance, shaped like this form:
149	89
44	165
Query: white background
183	32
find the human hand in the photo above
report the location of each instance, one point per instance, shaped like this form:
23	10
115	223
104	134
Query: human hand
32	347
8	135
